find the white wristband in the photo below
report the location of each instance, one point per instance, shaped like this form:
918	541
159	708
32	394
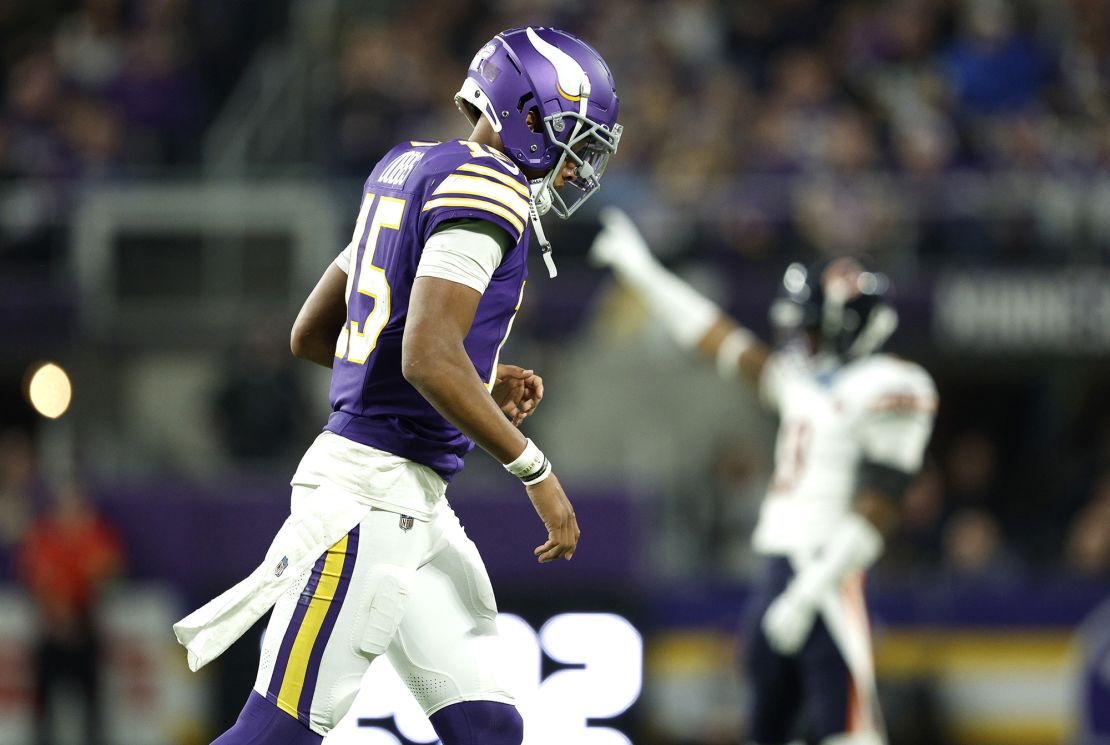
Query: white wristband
531	466
732	348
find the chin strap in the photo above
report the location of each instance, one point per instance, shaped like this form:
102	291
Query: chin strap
541	189
545	245
540	195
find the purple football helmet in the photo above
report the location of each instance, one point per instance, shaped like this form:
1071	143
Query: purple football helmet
568	86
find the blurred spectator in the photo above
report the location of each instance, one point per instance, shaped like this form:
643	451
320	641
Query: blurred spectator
17	485
94	134
827	94
972	472
389	80
32	102
726	519
917	545
259	405
843	210
974	551
924	148
1087	547
158	92
1086	65
990	65
115	80
363	81
64	561
89	44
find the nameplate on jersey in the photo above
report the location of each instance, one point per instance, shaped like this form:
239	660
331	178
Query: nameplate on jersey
400	167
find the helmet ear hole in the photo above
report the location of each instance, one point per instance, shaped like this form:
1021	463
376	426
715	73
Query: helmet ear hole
534	120
523	100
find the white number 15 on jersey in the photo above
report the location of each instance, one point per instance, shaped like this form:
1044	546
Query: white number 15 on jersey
359	336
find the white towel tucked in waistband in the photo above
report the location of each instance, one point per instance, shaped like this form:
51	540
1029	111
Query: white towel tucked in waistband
324	516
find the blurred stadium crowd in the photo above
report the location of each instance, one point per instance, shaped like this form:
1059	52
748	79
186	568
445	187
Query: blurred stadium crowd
919	132
103	90
930	136
936	99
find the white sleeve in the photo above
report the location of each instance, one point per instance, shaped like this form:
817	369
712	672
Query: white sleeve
466	251
895	426
778	370
343	260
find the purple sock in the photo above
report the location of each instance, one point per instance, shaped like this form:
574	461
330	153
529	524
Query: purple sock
262	723
479	723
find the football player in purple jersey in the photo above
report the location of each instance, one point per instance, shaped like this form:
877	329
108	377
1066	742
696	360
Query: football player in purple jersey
411	318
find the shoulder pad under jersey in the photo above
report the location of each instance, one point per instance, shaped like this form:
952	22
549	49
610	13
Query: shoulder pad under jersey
465	180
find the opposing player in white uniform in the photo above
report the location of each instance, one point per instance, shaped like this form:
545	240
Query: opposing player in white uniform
854	423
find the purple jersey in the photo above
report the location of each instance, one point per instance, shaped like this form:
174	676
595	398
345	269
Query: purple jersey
413	189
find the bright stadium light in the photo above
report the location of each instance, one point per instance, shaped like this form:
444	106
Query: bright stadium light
49	390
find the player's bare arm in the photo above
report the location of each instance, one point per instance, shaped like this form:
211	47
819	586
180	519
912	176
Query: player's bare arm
320	319
736	352
435	362
694	321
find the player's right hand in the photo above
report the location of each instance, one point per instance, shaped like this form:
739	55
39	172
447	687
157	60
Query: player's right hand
517	392
555	510
620	243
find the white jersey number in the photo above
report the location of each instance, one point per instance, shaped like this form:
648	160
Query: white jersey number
791	451
359	337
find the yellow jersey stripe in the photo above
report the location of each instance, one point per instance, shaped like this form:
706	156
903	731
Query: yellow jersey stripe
484	151
496	174
422	143
477	204
293	682
508	330
483	187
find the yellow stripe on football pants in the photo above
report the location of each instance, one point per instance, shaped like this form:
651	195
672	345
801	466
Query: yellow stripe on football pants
291	685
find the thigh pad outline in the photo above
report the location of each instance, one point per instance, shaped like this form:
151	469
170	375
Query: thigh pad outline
386	609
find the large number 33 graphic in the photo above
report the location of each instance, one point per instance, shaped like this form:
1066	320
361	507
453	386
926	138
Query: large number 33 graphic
360	335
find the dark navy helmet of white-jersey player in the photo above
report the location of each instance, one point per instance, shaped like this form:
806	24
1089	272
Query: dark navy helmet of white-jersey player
838	308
